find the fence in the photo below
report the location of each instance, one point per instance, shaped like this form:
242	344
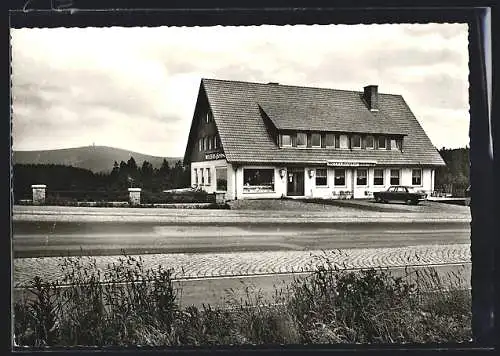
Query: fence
134	196
456	190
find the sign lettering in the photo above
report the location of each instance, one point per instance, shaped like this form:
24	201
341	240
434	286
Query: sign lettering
350	163
214	156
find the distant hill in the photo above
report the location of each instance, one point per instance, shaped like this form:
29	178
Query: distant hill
94	158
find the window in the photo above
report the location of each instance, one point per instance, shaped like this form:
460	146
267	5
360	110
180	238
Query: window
209	117
330	140
209	178
286	140
394	145
200	144
340	177
356	141
202	176
381	142
301	139
221	179
416	177
344	141
209	144
195	176
216	142
370	142
378	177
361	176
258	180
394	176
321	177
316	140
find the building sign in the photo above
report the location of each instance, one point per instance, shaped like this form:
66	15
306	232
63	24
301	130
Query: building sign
214	156
340	163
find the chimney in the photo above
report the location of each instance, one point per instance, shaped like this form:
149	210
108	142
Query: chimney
371	97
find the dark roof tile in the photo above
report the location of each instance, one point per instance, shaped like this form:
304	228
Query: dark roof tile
244	136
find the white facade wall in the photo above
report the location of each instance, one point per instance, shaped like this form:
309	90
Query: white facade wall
212	165
279	185
235	184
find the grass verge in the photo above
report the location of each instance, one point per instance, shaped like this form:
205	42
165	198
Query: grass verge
138	306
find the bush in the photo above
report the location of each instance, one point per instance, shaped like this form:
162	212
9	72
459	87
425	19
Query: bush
198	196
372	306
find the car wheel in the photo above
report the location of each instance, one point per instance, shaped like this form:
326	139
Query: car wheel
409	202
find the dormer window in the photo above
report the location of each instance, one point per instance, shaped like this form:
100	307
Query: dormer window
301	139
315	140
356	141
369	142
330	140
286	140
381	142
343	142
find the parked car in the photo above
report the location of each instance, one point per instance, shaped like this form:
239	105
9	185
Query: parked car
400	193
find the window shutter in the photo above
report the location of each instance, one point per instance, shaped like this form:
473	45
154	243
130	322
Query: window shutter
337	141
323	140
294	140
388	143
363	142
309	143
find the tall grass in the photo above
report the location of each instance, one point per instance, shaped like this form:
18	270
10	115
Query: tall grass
126	304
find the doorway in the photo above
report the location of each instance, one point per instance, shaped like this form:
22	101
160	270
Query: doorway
295	182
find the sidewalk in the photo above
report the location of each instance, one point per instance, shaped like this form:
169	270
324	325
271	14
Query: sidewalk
188	266
207	216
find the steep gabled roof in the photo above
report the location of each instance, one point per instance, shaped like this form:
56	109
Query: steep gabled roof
236	108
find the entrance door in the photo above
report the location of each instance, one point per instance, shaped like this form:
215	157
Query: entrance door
295	182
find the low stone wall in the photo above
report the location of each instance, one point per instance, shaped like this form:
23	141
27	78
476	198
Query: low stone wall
134	200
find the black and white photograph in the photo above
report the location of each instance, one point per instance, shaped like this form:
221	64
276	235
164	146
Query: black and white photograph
241	185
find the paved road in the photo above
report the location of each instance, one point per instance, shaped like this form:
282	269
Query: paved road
46	238
203	265
212	278
218	291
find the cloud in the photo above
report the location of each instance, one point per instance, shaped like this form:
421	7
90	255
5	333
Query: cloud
136	88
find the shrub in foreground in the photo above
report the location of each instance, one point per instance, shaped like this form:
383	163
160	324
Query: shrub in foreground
138	306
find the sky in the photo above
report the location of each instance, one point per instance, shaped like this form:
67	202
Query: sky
136	88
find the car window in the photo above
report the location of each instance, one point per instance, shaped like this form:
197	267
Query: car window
391	189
